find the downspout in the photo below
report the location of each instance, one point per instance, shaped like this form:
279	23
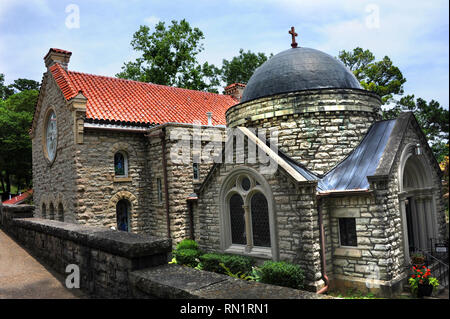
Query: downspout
162	135
322	248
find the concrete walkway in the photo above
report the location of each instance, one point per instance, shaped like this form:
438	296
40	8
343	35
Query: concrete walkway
23	277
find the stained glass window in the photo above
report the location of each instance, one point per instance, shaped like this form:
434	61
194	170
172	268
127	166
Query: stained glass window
237	218
119	164
122	215
260	220
159	190
347	231
51	136
52	211
245	183
60	212
195	171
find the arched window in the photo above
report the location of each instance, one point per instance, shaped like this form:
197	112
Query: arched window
237	219
123	215
260	220
247	219
60	212
52	212
121	164
44	211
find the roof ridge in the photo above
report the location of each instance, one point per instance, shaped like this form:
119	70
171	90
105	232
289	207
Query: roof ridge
145	83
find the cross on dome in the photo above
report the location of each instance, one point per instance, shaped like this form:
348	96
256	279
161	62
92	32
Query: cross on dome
294	34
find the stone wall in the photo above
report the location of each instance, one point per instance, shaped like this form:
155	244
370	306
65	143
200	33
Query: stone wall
105	258
180	177
317	128
370	261
99	189
54	183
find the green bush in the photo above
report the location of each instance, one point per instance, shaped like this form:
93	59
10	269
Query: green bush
235	264
187	244
282	274
186	257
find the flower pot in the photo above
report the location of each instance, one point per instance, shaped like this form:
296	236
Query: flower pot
424	290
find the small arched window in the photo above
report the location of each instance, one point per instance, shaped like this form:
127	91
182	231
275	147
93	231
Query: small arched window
123	215
121	164
44	211
60	212
52	212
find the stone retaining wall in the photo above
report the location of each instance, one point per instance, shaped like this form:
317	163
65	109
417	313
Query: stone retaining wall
105	257
116	264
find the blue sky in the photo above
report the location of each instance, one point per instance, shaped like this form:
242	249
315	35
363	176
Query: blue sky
414	34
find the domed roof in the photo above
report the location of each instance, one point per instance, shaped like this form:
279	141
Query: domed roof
298	69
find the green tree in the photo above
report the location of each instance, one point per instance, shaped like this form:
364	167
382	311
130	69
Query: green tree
385	79
433	120
5	91
240	68
20	85
169	57
16	115
381	77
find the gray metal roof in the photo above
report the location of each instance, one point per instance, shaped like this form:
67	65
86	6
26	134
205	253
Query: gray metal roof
298	69
363	161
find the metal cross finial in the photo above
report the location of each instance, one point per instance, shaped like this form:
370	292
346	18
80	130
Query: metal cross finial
294	34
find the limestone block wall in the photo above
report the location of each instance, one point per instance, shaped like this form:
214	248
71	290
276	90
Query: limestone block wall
54	183
370	256
180	177
296	219
105	258
317	128
99	190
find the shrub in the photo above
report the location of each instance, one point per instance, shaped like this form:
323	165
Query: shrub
188	257
235	264
187	244
282	274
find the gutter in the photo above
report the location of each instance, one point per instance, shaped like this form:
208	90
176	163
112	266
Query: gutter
162	135
323	260
337	193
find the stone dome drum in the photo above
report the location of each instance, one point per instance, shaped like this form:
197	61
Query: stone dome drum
298	69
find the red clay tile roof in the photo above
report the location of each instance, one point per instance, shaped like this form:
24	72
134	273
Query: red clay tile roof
126	101
19	198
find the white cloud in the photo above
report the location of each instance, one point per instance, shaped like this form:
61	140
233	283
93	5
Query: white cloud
152	20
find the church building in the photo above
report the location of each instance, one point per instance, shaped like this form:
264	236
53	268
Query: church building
343	193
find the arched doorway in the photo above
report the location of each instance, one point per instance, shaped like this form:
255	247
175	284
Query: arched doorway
416	201
123	215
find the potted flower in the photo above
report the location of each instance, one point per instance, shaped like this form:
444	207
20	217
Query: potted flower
418	259
421	282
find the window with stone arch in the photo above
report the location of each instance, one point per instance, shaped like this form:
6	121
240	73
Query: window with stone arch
123	215
121	164
60	212
44	211
247	215
52	212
